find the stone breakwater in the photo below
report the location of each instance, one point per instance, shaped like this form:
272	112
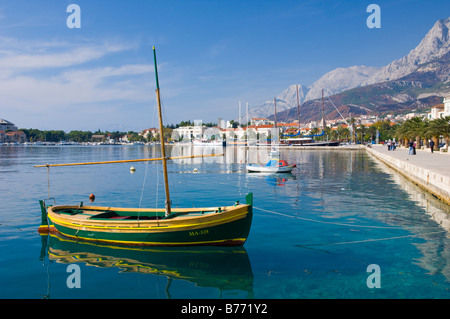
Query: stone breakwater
431	171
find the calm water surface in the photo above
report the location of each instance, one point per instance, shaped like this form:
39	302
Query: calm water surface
314	231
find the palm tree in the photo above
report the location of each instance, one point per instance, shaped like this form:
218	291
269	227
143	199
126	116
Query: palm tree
362	130
412	129
343	132
445	126
415	129
438	127
327	132
334	134
400	134
386	129
352	128
314	131
433	131
372	131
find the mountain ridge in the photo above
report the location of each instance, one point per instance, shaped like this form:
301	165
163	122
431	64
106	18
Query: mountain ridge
418	90
427	62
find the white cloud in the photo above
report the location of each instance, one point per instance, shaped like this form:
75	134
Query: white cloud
98	74
14	59
60	78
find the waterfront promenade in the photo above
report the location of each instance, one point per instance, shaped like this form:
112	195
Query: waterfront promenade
430	171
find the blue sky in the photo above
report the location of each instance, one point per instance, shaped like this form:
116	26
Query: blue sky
211	55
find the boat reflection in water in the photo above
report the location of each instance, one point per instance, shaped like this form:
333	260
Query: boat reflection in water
224	268
274	179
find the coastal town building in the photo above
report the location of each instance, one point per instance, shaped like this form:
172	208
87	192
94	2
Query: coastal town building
15	137
237	134
98	138
312	124
414	114
436	112
149	132
188	132
7	126
447	106
223	124
440	110
10	134
260	121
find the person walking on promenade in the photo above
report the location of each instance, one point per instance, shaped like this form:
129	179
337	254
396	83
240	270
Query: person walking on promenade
411	145
389	145
431	145
414	148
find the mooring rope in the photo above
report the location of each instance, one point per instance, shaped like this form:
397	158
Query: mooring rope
370	240
341	224
353	225
324	222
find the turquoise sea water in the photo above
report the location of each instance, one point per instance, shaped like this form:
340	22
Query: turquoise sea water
314	232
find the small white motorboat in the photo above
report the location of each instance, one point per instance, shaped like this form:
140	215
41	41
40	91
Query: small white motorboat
274	165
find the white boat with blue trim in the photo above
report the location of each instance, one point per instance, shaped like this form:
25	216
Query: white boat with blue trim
274	165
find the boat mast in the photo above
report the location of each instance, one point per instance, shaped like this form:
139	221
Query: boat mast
276	124
240	114
275	103
323	113
298	111
246	105
161	135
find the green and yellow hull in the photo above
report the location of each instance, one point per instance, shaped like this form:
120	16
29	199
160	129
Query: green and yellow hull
224	226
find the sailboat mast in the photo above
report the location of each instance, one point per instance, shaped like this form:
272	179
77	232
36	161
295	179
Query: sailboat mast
298	111
246	104
240	114
276	124
323	113
275	103
161	134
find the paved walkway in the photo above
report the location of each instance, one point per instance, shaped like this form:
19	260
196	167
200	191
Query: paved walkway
436	162
429	170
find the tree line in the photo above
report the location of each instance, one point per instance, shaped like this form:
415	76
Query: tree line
36	135
358	132
420	130
423	130
417	129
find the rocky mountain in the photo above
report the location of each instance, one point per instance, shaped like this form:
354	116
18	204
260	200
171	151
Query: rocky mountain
339	80
420	89
407	83
286	100
435	45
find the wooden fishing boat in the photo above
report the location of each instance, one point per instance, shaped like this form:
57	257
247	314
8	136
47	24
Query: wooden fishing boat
217	225
227	225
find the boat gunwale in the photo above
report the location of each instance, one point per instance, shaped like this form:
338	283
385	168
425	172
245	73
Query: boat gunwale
269	169
176	223
136	210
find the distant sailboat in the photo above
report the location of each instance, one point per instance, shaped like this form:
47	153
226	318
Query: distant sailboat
275	163
308	140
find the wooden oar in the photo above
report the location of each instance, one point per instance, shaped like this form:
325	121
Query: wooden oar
128	161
